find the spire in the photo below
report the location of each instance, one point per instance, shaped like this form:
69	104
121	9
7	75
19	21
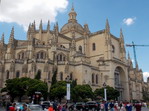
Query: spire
11	35
40	26
2	39
107	26
72	15
86	29
48	26
129	56
121	35
34	25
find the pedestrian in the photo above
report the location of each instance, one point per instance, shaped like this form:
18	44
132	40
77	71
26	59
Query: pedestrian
106	105
102	106
8	104
64	108
13	107
25	108
138	106
51	108
59	107
111	105
128	107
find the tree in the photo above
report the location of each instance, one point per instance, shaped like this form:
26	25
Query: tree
18	87
82	92
111	93
58	90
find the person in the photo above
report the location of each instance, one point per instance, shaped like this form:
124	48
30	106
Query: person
102	106
13	107
7	106
59	107
111	105
138	106
25	108
51	108
106	105
128	107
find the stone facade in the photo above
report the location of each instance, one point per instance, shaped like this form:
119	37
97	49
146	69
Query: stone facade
91	58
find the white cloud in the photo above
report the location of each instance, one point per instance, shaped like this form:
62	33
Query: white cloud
129	21
145	75
23	12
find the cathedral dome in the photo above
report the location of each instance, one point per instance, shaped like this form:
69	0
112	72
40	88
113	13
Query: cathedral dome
72	24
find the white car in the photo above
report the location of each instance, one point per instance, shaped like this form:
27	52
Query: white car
35	107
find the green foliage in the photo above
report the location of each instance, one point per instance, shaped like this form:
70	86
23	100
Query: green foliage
112	93
58	90
82	92
18	87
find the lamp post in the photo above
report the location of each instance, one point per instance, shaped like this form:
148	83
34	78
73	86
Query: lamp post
68	88
105	91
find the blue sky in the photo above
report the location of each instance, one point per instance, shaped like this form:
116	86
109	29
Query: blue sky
130	15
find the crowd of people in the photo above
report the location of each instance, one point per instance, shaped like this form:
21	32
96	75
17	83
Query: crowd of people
103	106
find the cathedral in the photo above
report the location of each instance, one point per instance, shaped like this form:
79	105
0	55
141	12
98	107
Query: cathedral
93	58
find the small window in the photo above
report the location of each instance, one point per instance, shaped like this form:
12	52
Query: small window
71	76
17	74
22	55
41	56
7	76
61	76
97	79
113	48
92	78
94	46
80	49
49	75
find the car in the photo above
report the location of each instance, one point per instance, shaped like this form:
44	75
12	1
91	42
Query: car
71	106
92	105
35	107
80	106
45	104
19	106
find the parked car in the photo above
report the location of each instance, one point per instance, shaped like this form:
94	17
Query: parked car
92	105
80	106
72	107
35	107
45	104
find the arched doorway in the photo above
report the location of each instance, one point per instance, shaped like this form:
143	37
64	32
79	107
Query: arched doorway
120	82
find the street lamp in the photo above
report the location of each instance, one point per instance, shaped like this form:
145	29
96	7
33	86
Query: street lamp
105	91
68	88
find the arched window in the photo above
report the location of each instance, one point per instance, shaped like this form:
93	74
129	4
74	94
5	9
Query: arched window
92	78
7	74
38	76
22	55
61	76
113	48
97	79
93	46
71	76
80	49
49	75
17	74
38	56
41	55
60	57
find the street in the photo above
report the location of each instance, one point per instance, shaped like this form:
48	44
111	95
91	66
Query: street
143	109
